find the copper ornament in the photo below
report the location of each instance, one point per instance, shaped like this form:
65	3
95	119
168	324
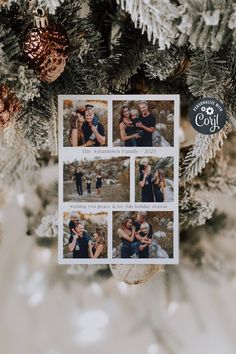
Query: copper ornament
45	47
9	105
1	105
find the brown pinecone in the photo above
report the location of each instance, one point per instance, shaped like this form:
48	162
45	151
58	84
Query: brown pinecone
45	50
9	105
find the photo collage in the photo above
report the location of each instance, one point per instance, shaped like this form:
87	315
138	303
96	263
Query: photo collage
118	179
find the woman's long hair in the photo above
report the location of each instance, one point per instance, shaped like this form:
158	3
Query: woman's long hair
122	113
125	220
75	124
161	177
102	239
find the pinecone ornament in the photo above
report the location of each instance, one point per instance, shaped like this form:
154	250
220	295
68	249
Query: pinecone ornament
45	47
9	105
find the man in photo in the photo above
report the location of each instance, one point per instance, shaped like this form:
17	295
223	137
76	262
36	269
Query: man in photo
142	233
78	177
145	182
79	242
147	123
93	131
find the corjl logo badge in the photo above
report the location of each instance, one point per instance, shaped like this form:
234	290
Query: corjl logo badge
208	115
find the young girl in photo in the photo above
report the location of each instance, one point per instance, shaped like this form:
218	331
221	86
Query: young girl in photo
88	185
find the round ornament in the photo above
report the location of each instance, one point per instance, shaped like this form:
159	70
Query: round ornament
133	274
45	47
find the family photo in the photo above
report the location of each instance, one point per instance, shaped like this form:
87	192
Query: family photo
143	123
85	235
85	123
142	234
154	179
95	179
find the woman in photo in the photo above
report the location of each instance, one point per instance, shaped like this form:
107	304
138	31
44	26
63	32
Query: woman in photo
76	121
98	181
159	185
127	129
97	249
126	233
145	182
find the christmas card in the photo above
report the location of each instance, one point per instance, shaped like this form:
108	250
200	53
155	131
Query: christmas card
118	179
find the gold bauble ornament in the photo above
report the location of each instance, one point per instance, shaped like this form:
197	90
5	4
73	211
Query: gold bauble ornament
135	273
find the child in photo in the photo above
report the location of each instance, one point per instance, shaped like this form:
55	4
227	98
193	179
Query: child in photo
93	131
88	185
143	165
89	107
134	115
142	238
72	224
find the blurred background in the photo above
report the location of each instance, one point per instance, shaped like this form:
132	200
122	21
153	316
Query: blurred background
53	309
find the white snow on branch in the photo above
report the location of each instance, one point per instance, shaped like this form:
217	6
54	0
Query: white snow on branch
196	22
157	18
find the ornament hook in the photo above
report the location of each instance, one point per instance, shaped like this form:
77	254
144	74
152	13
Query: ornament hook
40	17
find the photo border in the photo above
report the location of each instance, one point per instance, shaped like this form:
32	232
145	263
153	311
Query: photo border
123	151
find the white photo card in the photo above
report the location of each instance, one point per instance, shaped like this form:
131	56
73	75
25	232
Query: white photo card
118	179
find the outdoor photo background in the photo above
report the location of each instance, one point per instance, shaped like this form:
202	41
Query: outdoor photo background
167	165
100	109
162	110
162	224
116	183
90	222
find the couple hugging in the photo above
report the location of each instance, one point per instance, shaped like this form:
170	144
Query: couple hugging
137	126
136	236
82	244
85	128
